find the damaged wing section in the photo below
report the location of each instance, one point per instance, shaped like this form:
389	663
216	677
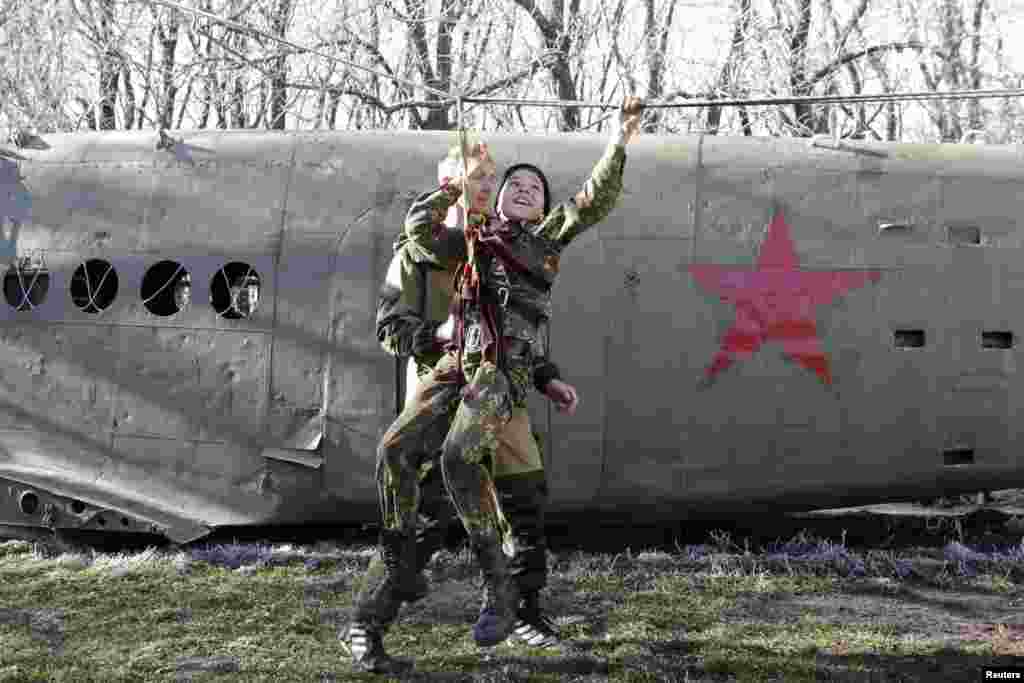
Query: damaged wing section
43	500
301	446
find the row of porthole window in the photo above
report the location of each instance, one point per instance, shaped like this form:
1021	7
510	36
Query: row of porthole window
166	288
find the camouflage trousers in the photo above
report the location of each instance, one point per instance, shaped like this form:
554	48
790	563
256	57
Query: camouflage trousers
413	490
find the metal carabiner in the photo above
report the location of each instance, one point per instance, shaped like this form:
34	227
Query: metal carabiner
503	293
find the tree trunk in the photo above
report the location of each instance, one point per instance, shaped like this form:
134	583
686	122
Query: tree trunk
332	112
803	113
168	45
656	44
209	74
952	36
129	96
88	113
278	82
558	41
727	76
974	112
186	99
220	104
262	110
110	67
241	45
440	78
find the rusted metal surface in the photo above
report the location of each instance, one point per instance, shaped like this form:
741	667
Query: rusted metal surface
192	419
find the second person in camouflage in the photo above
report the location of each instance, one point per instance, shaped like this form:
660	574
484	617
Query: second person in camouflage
415	301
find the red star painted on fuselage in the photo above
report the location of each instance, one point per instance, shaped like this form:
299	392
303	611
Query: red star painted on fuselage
776	301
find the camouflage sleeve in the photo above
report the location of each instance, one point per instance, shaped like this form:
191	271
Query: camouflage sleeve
423	222
400	311
595	201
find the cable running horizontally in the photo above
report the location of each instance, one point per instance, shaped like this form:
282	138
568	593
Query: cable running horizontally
750	102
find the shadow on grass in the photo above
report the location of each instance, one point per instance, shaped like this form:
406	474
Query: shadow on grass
919	594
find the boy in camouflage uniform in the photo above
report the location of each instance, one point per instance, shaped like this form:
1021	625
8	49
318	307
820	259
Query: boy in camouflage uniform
415	302
504	303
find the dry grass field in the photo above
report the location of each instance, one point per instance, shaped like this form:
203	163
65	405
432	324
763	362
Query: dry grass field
802	611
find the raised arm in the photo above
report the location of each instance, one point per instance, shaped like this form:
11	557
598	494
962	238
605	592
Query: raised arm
600	192
425	228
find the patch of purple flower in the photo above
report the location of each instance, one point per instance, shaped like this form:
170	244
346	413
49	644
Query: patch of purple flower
823	554
903	567
694	553
969	561
231	555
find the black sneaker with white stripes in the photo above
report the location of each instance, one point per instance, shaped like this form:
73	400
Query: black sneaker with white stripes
366	646
533	629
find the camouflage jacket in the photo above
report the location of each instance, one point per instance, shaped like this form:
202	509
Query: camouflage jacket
536	248
416	290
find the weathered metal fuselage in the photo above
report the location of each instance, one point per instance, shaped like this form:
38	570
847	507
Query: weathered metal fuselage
712	370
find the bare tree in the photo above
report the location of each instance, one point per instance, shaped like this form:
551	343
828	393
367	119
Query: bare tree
96	21
656	33
36	90
167	25
556	31
947	65
279	21
729	76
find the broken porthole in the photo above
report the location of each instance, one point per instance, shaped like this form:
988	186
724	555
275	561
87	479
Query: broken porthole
166	288
26	284
235	291
94	285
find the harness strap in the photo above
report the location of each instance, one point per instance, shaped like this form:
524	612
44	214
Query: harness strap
471	288
499	249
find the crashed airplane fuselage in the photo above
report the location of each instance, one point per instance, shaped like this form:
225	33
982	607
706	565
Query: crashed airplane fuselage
188	325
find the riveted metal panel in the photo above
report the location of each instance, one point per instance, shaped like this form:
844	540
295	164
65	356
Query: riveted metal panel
167	457
990	204
297	386
212	201
158	374
120	146
360	392
300	339
903	429
303	303
108	204
361	382
235	462
740	191
583	302
994	161
339	184
232	383
191	384
660	336
976	405
39	202
350	456
45	372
